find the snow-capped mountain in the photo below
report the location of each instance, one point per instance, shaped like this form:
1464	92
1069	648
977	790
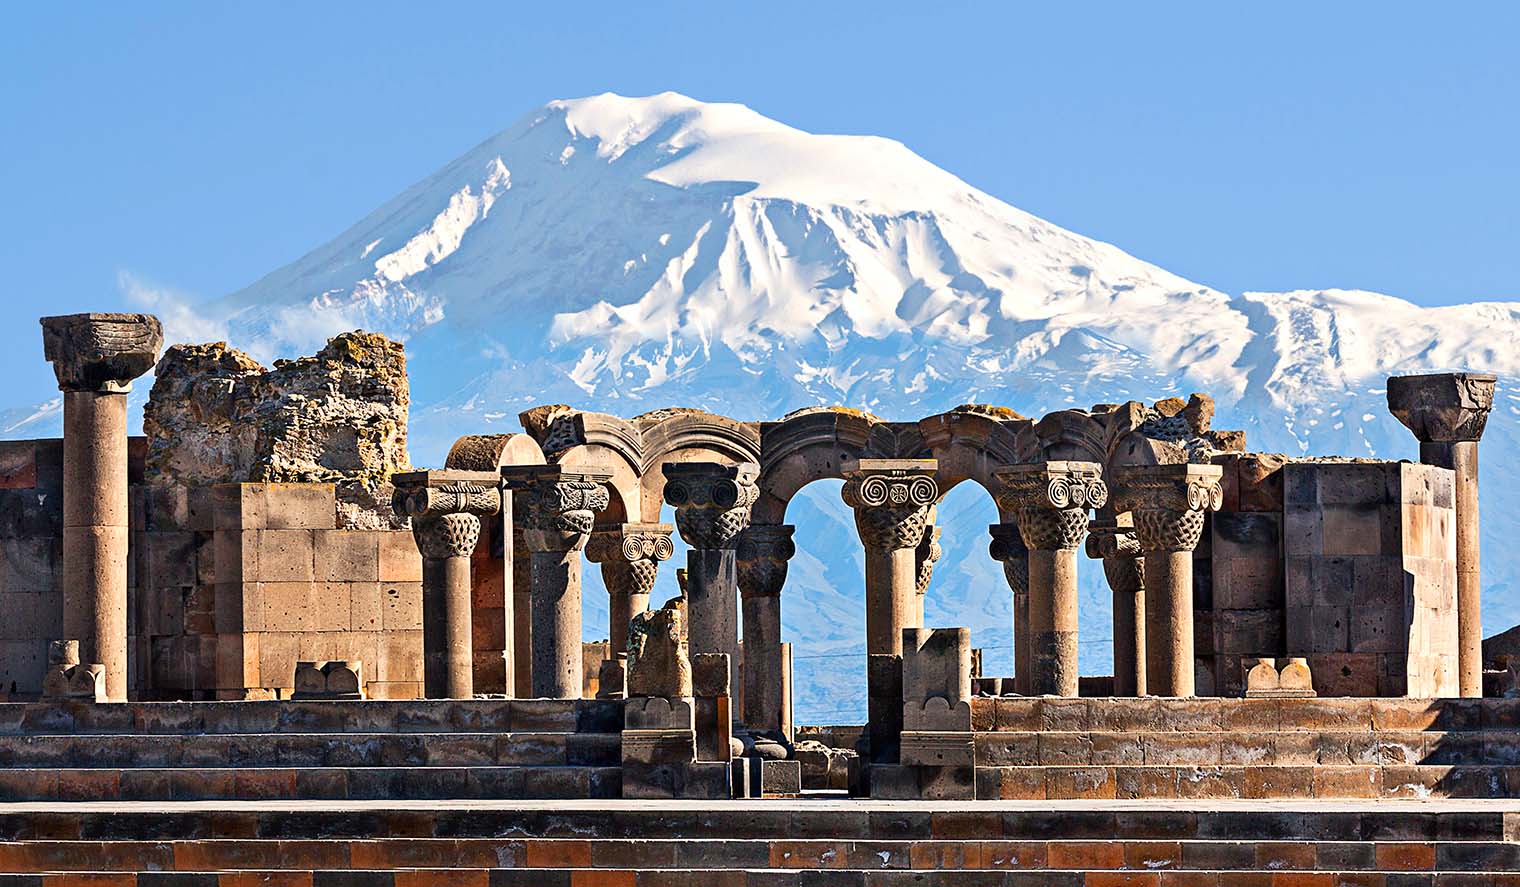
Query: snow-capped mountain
623	254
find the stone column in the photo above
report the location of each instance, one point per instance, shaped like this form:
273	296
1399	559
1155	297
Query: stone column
892	499
1168	504
630	556
712	502
445	508
1050	501
96	357
1008	549
763	552
1447	413
1124	568
557	507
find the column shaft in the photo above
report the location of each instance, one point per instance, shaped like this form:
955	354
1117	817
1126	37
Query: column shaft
1053	622
557	670
1169	623
1129	643
1461	457
95	531
891	597
762	670
1023	662
712	596
521	626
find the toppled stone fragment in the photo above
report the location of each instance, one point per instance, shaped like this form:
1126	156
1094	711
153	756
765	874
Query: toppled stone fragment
340	416
657	661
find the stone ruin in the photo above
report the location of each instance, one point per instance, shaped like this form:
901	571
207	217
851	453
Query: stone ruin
268	539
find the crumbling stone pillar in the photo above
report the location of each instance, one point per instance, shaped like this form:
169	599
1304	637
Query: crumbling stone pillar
712	502
96	357
1050	501
892	499
1124	569
630	556
1008	548
445	508
1168	504
1447	413
558	511
763	552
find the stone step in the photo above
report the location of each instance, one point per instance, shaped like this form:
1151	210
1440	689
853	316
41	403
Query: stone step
1252	781
284	716
1349	821
1285	747
578	877
389	854
1203	714
227	750
254	783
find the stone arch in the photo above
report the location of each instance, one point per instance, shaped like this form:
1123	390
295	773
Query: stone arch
972	441
815	443
596	441
687	435
1071	435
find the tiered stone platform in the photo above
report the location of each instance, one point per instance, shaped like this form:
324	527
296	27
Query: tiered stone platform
150	751
817	843
1030	748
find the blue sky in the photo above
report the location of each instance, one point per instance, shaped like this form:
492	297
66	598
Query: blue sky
1245	146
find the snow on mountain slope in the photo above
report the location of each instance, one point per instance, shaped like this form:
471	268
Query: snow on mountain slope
624	254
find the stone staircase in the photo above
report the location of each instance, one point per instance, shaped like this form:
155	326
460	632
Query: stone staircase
765	844
1031	749
316	750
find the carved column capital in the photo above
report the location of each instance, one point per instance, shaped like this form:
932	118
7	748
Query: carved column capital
1168	502
1119	549
445	508
1008	548
1050	501
630	555
712	500
891	498
101	352
1442	407
764	550
558	504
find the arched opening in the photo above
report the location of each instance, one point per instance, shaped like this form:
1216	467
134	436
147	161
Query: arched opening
968	588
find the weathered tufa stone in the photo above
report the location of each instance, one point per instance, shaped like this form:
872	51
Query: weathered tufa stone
101	352
329	680
66	678
216	416
657	660
1442	406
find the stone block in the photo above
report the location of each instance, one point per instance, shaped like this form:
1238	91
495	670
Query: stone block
299	506
364	606
938	749
280	556
398	559
346	555
400	606
780	778
287	606
1353	529
334	679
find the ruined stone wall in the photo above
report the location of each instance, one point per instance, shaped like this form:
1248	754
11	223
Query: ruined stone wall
1245	570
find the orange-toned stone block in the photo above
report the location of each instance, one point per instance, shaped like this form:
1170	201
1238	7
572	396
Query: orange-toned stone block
1084	855
1297	855
603	878
1122	879
1406	857
264	879
558	854
808	855
1150	856
1347	782
1013	854
936	855
1080	783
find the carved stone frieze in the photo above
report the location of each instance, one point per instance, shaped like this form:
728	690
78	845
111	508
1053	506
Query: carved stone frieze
891	498
1168	502
764	550
712	501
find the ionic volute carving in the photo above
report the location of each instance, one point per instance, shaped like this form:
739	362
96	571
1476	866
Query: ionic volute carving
630	555
557	507
1008	548
1119	549
1050	501
891	499
712	501
1168	503
763	553
445	509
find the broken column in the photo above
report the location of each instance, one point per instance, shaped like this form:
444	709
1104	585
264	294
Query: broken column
1124	569
1007	548
1447	413
1168	504
763	552
1051	500
630	556
96	357
712	502
558	511
445	508
938	759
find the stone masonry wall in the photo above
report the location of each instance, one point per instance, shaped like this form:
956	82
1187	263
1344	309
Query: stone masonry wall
1246	569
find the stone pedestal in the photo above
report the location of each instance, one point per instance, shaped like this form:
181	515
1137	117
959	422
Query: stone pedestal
557	507
1168	504
1008	548
763	553
1050	501
1447	413
96	357
1124	568
712	502
445	508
